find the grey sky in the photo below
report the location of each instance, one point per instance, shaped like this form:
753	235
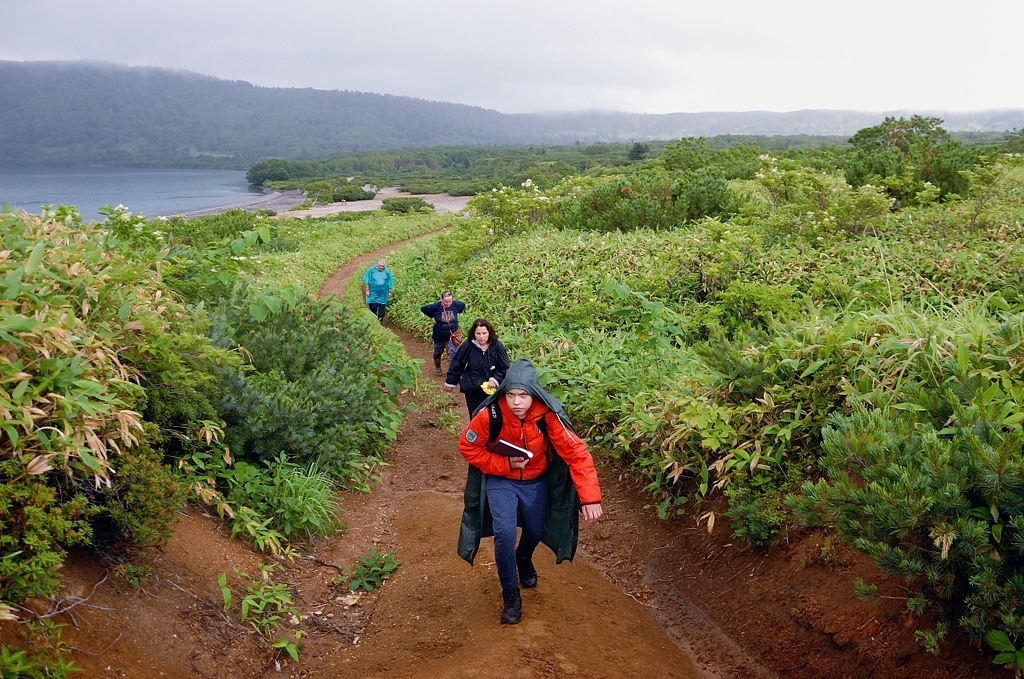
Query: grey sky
643	56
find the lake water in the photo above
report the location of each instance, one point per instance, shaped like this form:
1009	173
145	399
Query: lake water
151	192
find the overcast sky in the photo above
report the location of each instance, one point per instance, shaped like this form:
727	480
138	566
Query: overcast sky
642	56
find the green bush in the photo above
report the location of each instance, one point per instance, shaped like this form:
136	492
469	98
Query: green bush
902	155
37	525
704	193
642	200
312	390
335	190
755	519
299	501
930	483
141	503
403	205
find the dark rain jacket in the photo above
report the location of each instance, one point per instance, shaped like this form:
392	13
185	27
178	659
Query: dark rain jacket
473	366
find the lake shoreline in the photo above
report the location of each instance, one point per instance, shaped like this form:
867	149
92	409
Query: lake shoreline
273	200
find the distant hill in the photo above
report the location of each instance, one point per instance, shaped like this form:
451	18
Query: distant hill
94	113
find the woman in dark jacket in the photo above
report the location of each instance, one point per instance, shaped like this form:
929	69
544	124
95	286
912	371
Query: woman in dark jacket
446	322
479	365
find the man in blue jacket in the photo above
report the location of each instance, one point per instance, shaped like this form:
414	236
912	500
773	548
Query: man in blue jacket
378	284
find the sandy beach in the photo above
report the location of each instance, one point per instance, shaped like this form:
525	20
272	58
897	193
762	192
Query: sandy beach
282	203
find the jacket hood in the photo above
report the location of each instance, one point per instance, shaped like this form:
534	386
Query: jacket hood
523	375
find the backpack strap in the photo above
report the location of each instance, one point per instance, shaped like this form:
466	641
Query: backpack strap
496	422
542	424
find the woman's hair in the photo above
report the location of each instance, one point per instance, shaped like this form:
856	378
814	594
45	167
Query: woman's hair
484	323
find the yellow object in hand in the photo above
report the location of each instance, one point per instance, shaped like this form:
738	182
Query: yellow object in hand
487	387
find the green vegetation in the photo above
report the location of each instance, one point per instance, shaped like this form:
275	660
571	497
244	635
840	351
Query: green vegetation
267	606
370	573
724	322
144	364
821	353
405	205
42	653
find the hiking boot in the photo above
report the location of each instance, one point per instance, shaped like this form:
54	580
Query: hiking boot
512	613
437	367
527	573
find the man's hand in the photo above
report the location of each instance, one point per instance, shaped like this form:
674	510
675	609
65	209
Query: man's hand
591	513
518	462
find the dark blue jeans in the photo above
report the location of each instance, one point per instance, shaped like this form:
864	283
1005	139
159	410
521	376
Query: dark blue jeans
378	309
516	502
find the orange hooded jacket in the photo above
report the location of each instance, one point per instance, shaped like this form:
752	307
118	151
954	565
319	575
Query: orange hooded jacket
527	434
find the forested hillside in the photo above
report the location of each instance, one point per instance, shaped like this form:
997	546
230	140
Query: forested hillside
91	113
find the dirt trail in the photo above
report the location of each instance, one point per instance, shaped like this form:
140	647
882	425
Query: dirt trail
644	598
439	617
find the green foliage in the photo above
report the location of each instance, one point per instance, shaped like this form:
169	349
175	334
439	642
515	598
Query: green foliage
639	151
66	320
141	503
985	182
813	205
312	389
510	211
299	501
42	654
459	171
37	526
1013	142
93	343
267	606
755	519
903	155
372	570
334	190
133	573
863	590
930	640
648	199
1007	653
928	481
403	205
249	523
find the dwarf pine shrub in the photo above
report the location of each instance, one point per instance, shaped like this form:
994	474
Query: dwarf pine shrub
931	484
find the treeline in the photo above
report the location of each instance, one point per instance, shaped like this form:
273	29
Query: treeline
472	170
88	113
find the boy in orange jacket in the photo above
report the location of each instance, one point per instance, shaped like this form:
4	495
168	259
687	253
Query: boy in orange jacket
542	489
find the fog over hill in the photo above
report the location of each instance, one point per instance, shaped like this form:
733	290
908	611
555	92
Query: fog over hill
96	113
